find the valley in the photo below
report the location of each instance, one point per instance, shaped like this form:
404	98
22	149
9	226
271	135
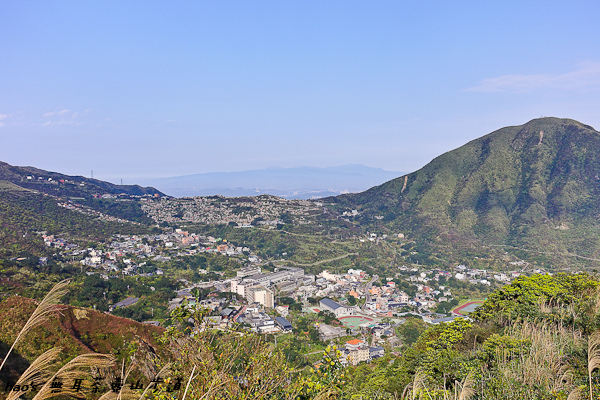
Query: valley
408	272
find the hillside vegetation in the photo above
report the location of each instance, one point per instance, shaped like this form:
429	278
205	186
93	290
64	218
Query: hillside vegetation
74	330
23	212
65	185
535	187
537	338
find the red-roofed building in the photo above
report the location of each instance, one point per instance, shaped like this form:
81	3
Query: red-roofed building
354	344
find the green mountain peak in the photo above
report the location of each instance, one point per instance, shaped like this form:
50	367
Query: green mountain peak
534	186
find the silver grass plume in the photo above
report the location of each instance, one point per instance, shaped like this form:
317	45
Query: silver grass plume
466	388
593	356
575	394
37	373
71	371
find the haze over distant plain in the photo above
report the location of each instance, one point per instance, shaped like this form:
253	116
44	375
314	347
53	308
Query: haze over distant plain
168	89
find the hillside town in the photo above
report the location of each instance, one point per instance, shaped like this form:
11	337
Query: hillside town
350	308
242	211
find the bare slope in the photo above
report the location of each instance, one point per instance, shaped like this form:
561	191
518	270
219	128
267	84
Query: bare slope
75	330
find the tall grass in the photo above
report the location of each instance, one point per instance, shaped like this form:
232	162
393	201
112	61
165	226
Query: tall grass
37	373
545	364
593	356
77	368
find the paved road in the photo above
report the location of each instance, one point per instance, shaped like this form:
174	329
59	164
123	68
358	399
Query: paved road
320	262
545	252
368	286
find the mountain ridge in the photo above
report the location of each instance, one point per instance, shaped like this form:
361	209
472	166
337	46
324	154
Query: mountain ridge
50	182
536	184
295	182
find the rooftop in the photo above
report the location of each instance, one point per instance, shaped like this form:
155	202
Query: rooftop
354	342
330	303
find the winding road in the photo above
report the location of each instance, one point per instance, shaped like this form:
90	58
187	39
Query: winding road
320	262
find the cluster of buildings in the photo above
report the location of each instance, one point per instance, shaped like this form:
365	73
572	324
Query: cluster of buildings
261	322
251	315
161	248
357	351
471	275
59	243
380	301
260	288
242	211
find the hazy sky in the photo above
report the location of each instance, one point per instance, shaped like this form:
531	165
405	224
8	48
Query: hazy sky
142	88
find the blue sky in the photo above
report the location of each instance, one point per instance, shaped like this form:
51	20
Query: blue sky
157	89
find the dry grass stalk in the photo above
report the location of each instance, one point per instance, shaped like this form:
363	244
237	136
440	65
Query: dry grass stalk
37	373
232	366
593	356
545	364
418	385
40	315
405	391
415	388
187	386
467	387
160	374
108	396
71	371
124	392
575	394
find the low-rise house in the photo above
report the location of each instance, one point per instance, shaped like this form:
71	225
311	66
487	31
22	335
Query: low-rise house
283	324
327	332
176	302
284	311
335	308
355	344
376	352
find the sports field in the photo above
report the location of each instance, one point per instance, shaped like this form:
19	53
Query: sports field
468	307
354	322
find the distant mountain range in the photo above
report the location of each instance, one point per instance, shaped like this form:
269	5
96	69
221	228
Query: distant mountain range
291	183
535	187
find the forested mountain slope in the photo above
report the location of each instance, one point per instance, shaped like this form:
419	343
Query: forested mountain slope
535	186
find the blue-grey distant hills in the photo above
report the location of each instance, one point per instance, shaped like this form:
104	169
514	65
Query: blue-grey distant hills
291	183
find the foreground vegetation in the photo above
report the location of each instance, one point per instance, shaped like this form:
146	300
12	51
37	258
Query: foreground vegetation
537	338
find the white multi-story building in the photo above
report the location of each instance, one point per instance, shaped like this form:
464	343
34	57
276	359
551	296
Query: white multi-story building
261	295
329	276
254	293
248	271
